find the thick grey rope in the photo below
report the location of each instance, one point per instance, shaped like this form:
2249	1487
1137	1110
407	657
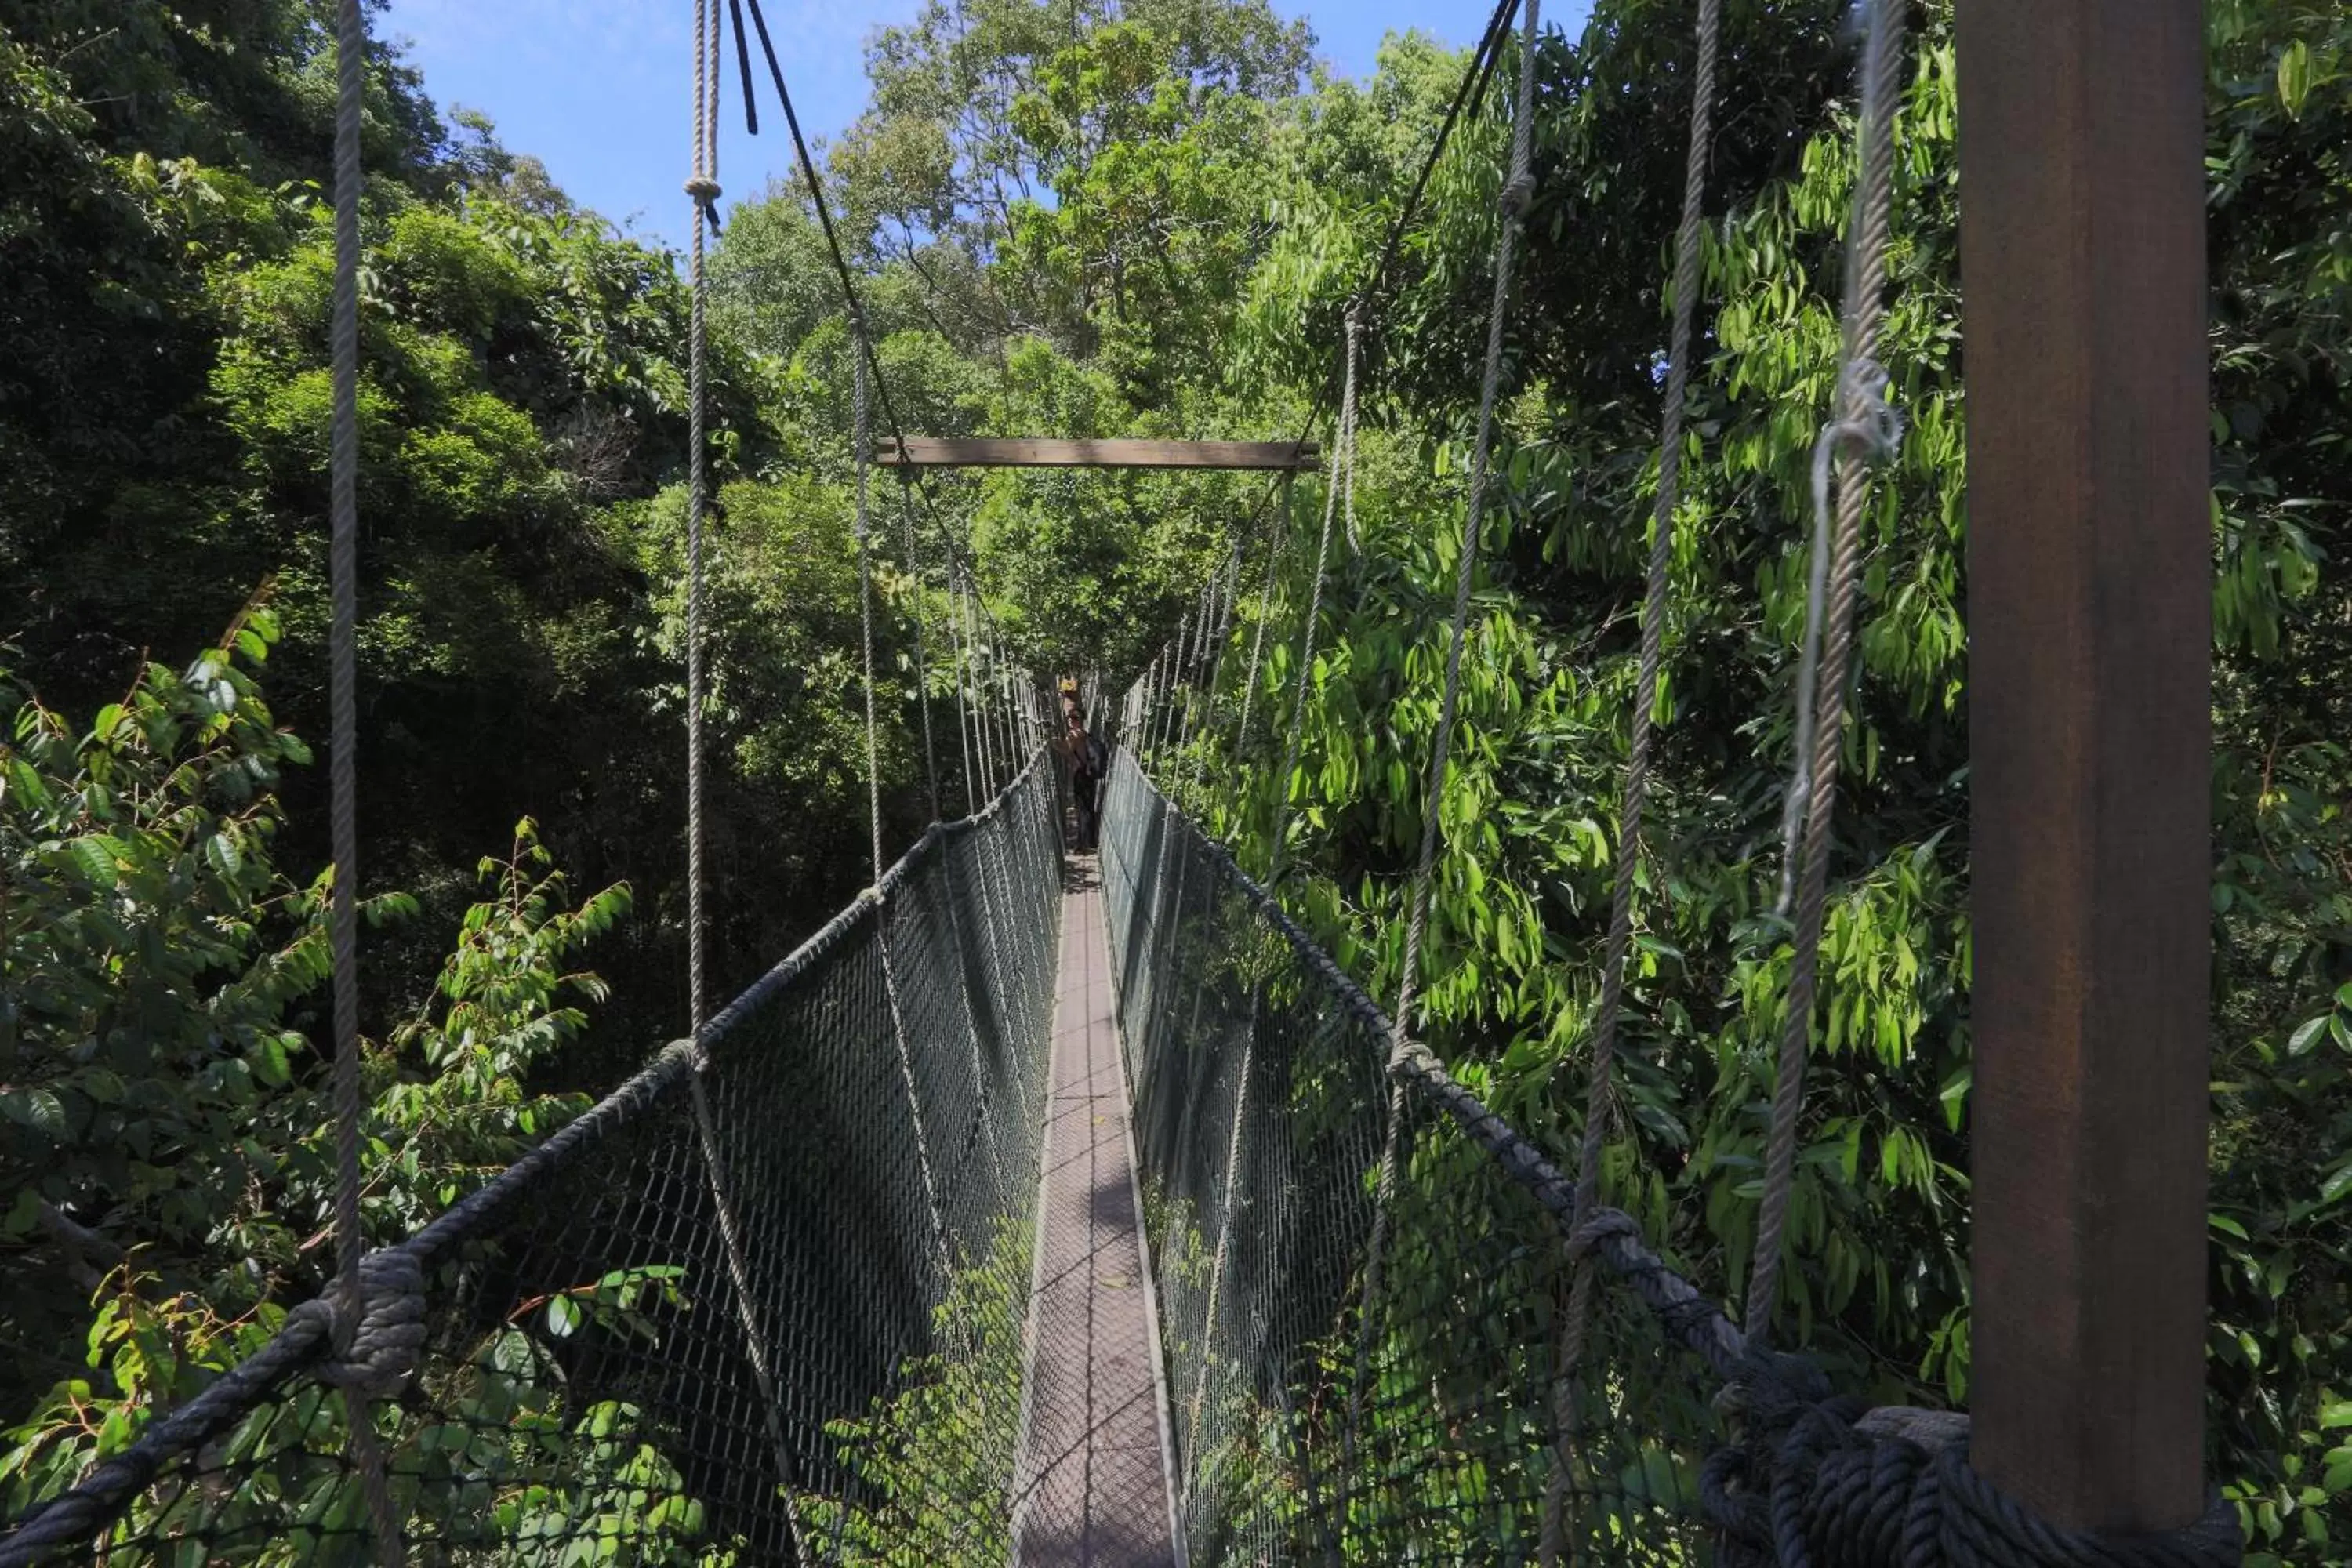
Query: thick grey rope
1876	432
1168	696
1515	194
1570	1357
1858	390
861	437
955	635
1517	191
1181	708
378	1314
1249	1049
969	630
982	731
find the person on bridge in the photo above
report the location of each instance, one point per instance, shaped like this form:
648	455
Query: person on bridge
1089	761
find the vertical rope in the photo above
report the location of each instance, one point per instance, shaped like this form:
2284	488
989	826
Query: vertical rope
931	778
739	1277
952	616
922	653
865	609
1343	479
1865	428
343	641
1172	677
984	738
1516	192
1515	198
1570	1355
1258	652
703	189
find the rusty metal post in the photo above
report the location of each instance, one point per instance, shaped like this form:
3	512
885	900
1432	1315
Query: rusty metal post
2082	234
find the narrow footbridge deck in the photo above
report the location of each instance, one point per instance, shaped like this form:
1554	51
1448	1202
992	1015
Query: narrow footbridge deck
1093	1486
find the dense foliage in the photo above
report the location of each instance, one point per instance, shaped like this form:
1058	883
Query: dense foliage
1089	219
1878	1279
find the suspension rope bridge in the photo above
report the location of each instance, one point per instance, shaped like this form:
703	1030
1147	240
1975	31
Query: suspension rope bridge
1047	1210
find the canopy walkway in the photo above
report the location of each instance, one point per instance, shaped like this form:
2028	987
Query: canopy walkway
1041	1210
867	1285
812	1303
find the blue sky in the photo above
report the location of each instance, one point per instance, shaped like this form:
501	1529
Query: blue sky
601	89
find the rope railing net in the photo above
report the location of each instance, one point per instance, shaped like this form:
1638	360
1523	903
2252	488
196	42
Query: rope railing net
588	1392
1261	1078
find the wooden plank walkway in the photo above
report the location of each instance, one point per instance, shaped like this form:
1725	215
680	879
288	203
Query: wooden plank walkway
1092	1490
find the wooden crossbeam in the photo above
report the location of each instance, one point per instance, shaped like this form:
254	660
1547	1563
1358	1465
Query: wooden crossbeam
1044	452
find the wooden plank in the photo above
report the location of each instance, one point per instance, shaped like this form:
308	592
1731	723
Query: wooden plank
1041	452
2082	238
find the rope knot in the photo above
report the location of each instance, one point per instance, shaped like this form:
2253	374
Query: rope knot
1867	421
1601	1227
1517	195
703	189
376	1342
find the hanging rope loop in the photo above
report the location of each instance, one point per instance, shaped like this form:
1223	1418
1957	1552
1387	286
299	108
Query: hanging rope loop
1868	424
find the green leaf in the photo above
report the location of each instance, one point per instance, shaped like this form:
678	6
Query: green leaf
93	857
2306	1037
222	855
270	1061
562	1316
2294	78
38	1109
